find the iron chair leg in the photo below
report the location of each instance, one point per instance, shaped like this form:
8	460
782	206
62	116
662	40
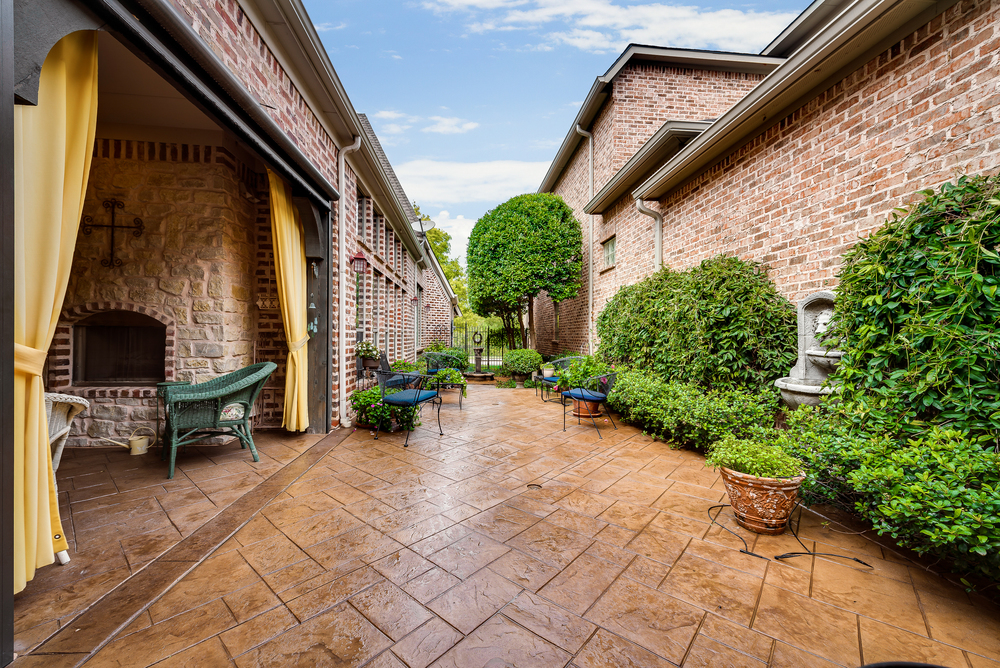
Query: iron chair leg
439	402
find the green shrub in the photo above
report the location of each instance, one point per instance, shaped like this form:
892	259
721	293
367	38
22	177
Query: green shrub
451	358
757	455
403	366
506	383
523	361
938	495
452	377
582	373
529	384
916	317
721	325
686	414
369	409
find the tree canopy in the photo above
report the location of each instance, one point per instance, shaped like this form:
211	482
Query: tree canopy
529	244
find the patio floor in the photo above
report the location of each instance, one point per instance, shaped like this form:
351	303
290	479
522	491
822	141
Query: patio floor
358	552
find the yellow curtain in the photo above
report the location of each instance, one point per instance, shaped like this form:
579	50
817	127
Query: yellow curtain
53	146
288	241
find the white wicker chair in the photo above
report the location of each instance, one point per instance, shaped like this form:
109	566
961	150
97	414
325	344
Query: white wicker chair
60	409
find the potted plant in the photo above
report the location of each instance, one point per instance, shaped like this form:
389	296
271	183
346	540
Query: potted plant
584	373
368	353
762	480
369	410
522	363
548	370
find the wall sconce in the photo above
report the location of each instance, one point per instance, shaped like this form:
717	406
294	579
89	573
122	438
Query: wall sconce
360	262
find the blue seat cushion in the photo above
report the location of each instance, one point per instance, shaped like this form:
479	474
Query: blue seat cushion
552	380
431	372
399	379
409	397
581	394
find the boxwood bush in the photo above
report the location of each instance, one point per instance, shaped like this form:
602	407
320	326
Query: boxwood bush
721	325
686	414
522	361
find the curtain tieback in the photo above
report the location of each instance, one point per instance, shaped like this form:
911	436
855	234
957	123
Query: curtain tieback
293	347
29	360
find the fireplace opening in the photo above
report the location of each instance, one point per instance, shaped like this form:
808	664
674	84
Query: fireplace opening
119	348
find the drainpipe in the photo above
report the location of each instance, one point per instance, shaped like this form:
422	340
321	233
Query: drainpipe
657	233
590	264
343	265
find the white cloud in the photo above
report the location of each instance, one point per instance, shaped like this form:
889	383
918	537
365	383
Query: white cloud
389	114
394	128
326	27
609	25
440	183
395	57
448	125
459	228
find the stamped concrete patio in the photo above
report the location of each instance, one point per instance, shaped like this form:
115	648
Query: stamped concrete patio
506	542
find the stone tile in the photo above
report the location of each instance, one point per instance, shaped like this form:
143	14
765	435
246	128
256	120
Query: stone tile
425	644
320	527
738	637
257	630
616	535
581	524
662	624
293	576
658	544
585	503
32	609
551	544
467	555
606	650
883	599
728	557
467	605
145	547
170	637
406	517
881	642
972	627
208	654
707	653
724	591
523	570
529	505
786	656
272	554
648	572
421	530
632	491
549	621
212	579
251	601
581	583
402	566
500	642
780	574
256	530
440	540
628	515
390	609
802	622
327	595
430	584
342	632
364	543
500	522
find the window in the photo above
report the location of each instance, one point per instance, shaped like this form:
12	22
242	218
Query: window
362	214
609	252
377	232
119	348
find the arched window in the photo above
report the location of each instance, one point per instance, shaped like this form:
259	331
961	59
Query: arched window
119	348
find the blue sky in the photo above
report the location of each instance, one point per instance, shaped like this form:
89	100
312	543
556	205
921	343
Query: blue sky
471	98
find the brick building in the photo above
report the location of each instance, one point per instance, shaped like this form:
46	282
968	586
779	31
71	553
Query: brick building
196	101
785	157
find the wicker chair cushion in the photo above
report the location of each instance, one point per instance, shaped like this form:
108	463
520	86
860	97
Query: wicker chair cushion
233	412
581	394
409	397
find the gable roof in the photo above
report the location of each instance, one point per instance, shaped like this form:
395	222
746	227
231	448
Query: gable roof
599	92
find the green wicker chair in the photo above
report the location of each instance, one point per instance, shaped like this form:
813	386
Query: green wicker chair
218	407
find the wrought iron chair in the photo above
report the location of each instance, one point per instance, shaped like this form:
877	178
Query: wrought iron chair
406	390
552	382
603	385
438	361
221	406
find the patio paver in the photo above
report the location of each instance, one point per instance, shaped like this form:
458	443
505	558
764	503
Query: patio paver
442	555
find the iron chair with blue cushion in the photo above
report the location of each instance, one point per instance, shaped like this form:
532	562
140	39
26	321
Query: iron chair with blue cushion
550	383
438	361
219	407
599	395
406	390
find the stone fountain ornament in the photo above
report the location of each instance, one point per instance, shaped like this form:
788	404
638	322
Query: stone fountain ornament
806	383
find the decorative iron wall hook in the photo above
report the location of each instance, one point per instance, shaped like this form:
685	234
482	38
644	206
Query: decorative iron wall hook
111	205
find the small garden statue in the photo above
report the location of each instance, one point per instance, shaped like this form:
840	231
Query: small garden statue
805	382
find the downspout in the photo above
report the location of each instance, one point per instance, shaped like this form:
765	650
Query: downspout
342	264
657	233
590	264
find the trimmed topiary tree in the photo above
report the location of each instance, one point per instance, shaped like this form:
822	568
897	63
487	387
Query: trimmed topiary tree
529	244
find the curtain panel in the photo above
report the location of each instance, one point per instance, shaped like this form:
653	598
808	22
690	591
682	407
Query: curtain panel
54	142
288	242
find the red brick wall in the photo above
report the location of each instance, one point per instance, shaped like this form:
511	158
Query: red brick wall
435	320
644	96
798	195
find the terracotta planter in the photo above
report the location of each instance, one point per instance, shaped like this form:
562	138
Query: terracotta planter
762	505
586	409
369	364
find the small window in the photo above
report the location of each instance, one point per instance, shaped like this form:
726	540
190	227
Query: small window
362	214
609	252
377	234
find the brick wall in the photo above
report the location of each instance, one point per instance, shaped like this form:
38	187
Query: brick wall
192	269
435	321
643	96
798	195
